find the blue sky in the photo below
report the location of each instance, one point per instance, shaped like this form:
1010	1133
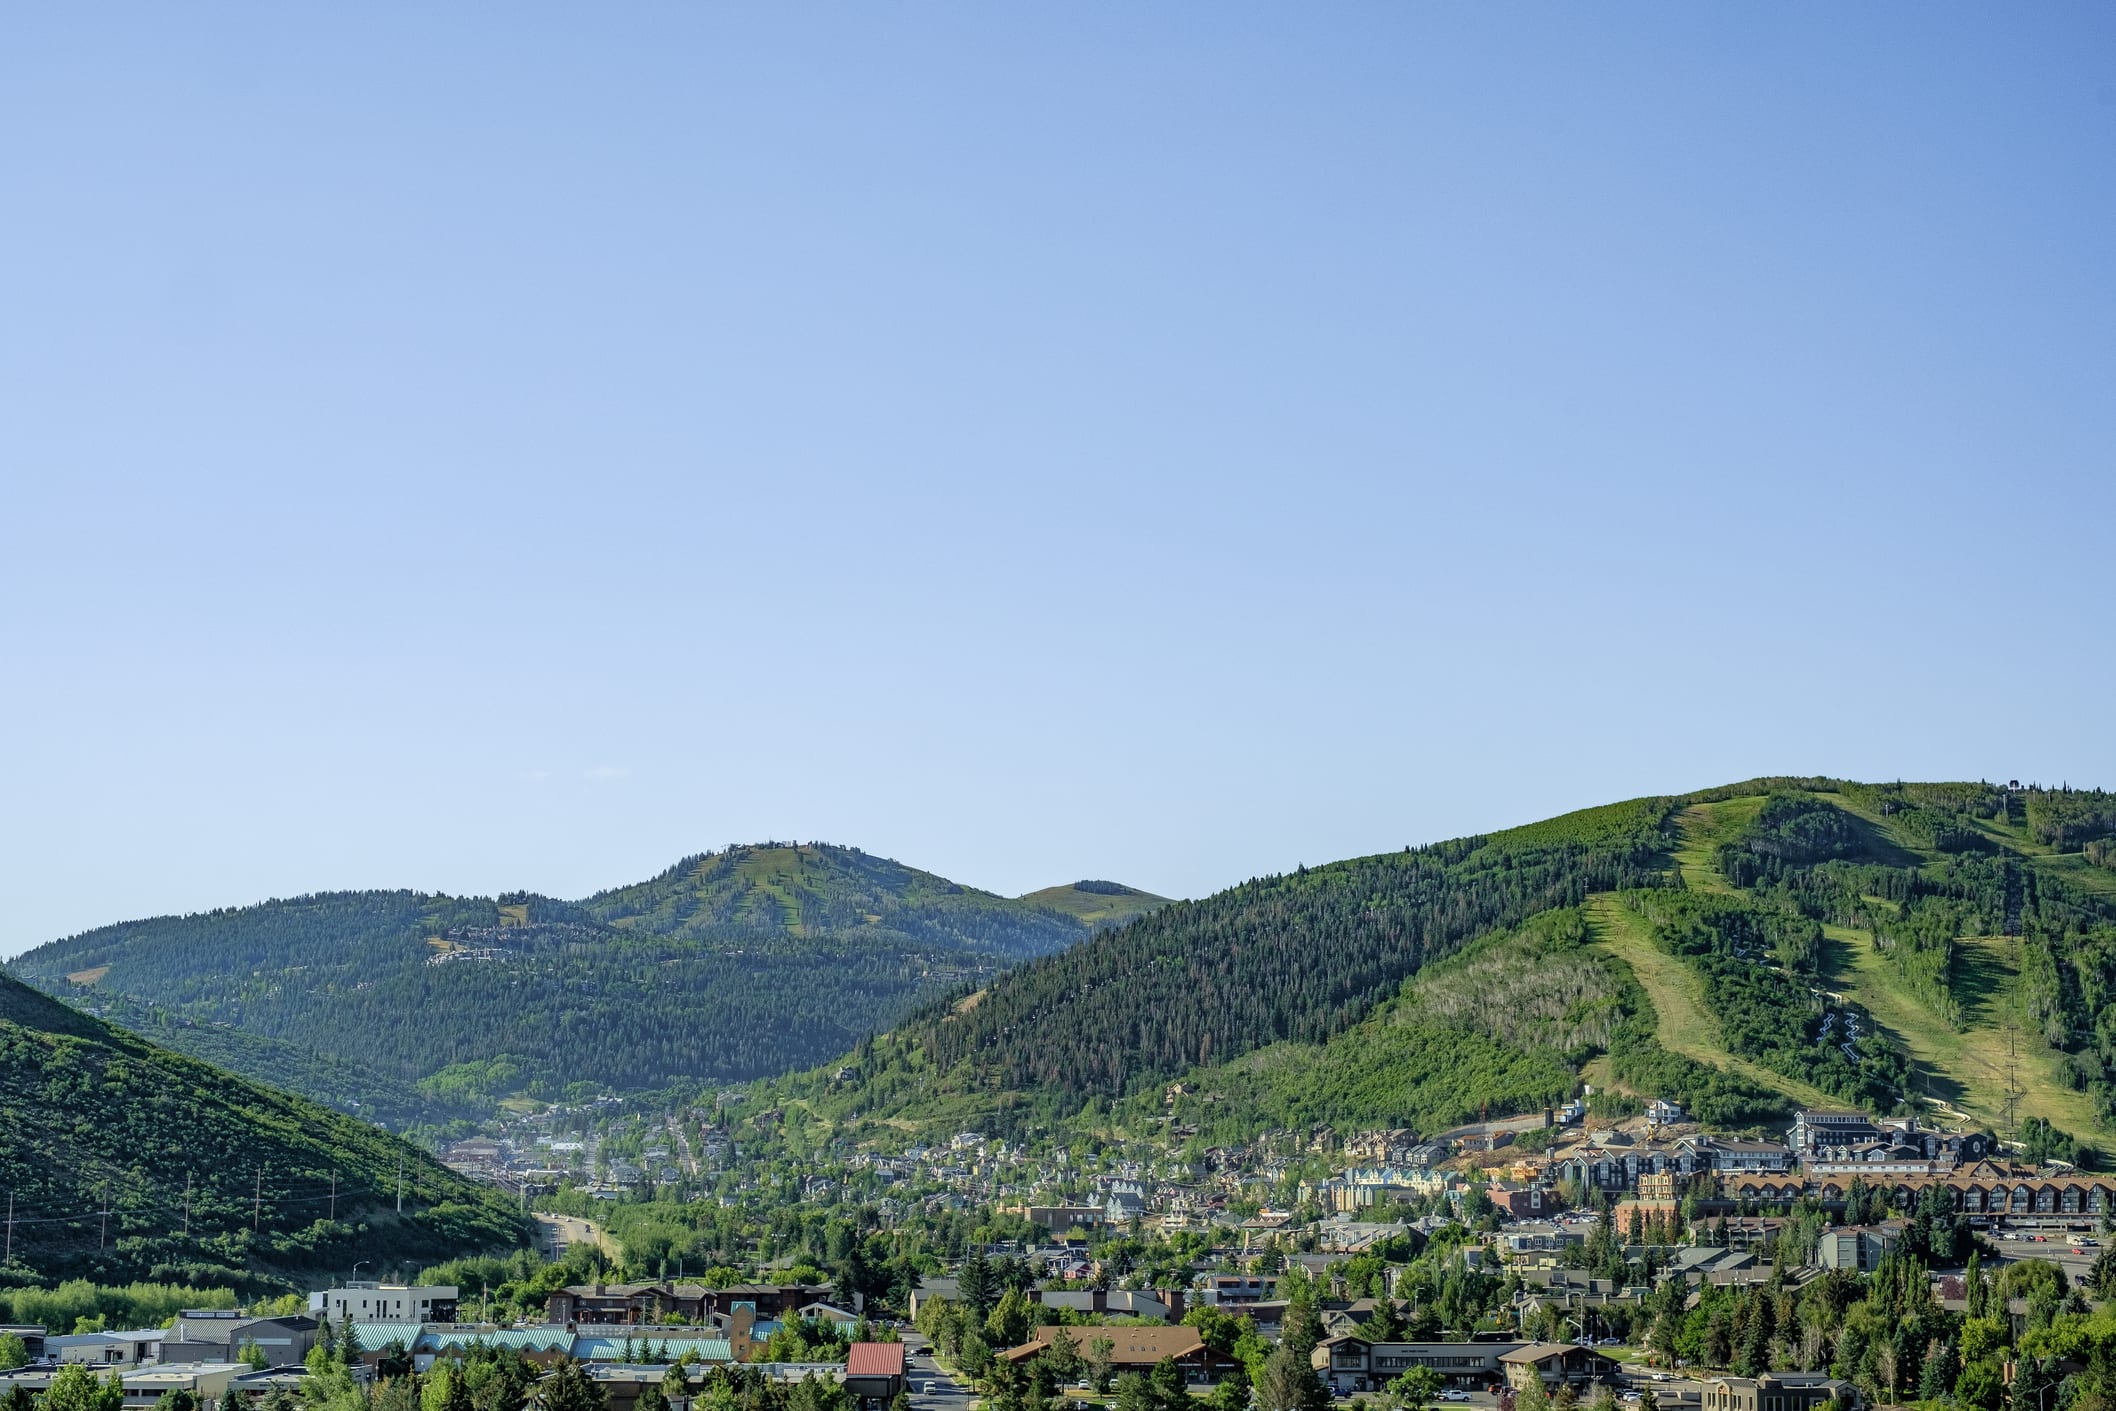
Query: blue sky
1168	443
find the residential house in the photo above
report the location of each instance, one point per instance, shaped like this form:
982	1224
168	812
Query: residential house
1234	1290
1539	1238
1060	1220
1168	1305
1858	1247
1520	1200
929	1289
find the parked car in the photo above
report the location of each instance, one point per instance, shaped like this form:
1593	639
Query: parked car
1454	1394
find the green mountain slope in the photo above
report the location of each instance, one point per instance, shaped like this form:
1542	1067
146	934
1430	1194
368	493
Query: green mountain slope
1097	903
353	1088
205	1177
1750	949
729	965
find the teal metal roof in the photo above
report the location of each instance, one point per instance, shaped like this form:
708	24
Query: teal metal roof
612	1349
552	1339
373	1337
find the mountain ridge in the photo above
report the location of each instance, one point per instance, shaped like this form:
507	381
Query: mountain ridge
752	959
1753	900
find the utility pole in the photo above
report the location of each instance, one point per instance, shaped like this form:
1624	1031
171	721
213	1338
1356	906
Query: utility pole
334	1195
257	1202
9	1256
2009	1101
103	1239
187	1205
400	1185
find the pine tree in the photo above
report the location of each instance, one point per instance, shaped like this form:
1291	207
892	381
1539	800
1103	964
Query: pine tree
1170	1392
1063	1355
1289	1383
974	1283
1099	1371
570	1389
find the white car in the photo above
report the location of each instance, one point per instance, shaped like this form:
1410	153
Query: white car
1454	1394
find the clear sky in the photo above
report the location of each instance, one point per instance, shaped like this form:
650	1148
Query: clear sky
516	447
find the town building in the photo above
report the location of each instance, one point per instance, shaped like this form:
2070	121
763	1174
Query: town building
366	1302
128	1349
1139	1349
1816	1130
221	1335
1167	1305
1776	1391
209	1382
874	1371
1352	1365
1858	1248
1556	1364
694	1303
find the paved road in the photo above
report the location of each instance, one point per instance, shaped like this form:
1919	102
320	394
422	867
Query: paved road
942	1392
2057	1249
557	1232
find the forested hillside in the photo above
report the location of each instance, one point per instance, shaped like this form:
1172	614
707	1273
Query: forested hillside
125	1161
729	965
1747	950
1299	956
357	1089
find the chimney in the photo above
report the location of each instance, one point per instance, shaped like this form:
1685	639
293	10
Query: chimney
1176	1301
1099	1299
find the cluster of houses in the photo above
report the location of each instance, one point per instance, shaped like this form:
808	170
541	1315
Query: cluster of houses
625	1335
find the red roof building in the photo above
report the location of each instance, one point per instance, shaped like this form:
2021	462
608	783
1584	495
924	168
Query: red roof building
874	1371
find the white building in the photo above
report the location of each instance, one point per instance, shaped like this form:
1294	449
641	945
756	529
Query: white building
366	1302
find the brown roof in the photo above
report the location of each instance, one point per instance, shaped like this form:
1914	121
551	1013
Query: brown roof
1540	1351
875	1359
1130	1346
